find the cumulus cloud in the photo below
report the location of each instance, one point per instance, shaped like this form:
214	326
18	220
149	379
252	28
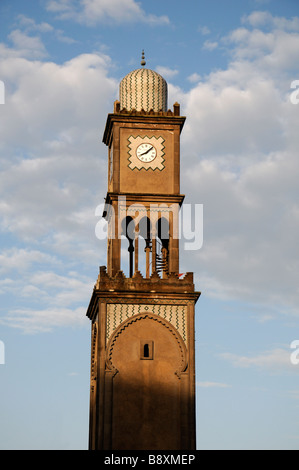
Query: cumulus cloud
261	18
32	321
53	175
166	72
56	112
240	142
47	299
274	50
212	385
239	159
274	360
22	259
194	77
204	30
29	24
91	12
210	45
24	45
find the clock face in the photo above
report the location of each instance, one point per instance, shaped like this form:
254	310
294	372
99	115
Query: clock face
146	152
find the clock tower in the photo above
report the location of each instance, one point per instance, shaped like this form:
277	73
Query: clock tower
142	390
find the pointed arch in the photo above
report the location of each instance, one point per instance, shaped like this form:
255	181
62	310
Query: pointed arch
137	318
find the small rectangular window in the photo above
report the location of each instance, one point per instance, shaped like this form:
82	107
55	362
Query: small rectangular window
146	349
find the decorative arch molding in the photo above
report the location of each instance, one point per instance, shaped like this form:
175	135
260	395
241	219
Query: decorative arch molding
139	317
172	310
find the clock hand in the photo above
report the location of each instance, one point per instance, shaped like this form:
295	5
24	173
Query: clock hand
146	151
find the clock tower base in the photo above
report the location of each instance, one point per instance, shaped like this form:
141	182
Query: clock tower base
143	366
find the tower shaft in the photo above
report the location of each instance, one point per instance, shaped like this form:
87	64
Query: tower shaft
142	393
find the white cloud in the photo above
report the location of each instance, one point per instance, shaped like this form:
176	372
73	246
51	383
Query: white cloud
59	5
204	30
56	111
212	385
6	285
29	24
210	45
68	289
61	300
53	175
26	39
91	12
25	45
166	72
242	114
63	38
240	141
194	77
21	259
274	360
262	18
295	395
239	153
41	321
275	49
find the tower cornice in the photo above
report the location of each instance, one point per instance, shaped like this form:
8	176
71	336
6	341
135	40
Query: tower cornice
149	117
113	288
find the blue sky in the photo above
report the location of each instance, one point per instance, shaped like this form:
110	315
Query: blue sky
230	65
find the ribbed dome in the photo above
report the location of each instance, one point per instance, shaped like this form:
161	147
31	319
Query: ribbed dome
143	89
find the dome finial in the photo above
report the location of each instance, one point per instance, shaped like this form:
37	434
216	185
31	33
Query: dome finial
142	59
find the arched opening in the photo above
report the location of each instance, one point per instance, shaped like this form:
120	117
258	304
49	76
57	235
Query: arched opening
162	249
128	231
148	246
145	234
